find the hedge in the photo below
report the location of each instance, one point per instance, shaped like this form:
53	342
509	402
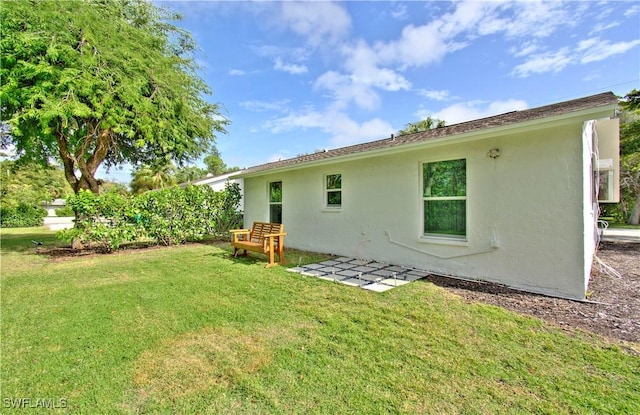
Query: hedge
22	216
167	217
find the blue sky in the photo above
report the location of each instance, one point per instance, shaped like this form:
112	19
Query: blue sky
296	77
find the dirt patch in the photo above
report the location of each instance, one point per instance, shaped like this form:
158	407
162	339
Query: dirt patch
198	361
66	252
612	309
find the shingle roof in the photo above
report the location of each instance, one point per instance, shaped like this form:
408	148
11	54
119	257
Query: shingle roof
509	118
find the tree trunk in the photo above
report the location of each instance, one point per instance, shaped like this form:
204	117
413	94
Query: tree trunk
87	164
634	218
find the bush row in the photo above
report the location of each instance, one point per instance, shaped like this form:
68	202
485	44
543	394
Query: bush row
22	216
64	211
167	217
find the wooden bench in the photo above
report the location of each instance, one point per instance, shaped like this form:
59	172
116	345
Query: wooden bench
266	238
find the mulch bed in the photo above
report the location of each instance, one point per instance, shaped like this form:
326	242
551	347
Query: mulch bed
612	309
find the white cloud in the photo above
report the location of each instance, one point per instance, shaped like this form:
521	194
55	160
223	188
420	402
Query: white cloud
307	118
601	27
586	51
417	46
362	77
470	16
237	72
595	49
297	54
369	67
346	131
473	110
422	45
544	62
317	21
442	95
343	130
289	68
361	62
633	10
537	19
399	12
262	106
525	49
344	91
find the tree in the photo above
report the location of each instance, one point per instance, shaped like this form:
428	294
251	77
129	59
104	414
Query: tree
630	155
94	83
189	174
113	187
422	125
30	184
150	177
214	163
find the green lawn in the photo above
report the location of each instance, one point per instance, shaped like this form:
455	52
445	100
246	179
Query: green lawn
191	330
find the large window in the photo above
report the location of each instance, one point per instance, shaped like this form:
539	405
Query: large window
275	202
333	190
445	198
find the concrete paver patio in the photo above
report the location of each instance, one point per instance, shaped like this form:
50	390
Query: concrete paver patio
367	274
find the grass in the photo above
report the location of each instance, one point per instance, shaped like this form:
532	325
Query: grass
191	330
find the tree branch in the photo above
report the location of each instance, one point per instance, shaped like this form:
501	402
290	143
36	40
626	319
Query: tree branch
67	161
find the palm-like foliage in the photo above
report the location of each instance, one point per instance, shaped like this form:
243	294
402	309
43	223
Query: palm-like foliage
150	177
422	125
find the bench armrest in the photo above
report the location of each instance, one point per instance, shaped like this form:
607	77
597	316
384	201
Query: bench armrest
237	233
270	238
271	235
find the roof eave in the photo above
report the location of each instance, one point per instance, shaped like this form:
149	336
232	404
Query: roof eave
601	111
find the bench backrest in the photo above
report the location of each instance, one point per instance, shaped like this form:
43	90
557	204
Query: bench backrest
260	229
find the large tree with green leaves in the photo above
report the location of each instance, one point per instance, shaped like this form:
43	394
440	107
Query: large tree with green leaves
630	155
91	83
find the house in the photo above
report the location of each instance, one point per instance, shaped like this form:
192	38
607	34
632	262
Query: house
219	182
52	205
511	199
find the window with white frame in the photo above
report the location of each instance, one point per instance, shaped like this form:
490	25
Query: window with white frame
444	194
275	202
333	190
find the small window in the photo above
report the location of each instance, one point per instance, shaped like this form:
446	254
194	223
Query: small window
606	186
444	197
275	202
333	190
605	176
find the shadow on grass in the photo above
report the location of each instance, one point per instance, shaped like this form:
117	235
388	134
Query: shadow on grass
24	240
292	257
227	255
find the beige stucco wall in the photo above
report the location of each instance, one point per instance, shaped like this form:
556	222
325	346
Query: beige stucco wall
525	210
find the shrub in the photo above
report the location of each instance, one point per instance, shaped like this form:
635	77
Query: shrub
64	211
169	216
226	214
105	220
177	215
22	216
